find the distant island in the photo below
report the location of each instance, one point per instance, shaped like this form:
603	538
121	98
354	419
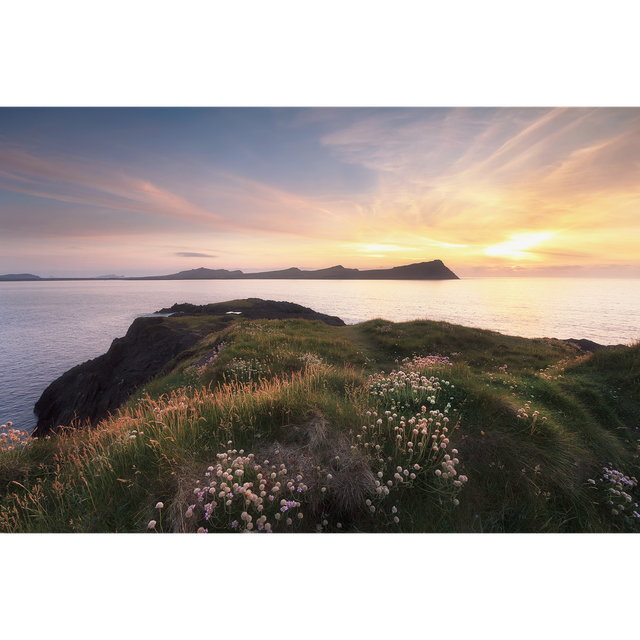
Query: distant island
19	276
433	270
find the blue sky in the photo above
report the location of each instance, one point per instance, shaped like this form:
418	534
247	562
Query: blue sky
490	191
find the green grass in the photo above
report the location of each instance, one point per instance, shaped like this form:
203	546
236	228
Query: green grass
539	437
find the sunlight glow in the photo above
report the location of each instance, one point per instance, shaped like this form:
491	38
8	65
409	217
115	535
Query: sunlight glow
516	248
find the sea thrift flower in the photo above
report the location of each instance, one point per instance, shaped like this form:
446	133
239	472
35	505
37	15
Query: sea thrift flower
152	524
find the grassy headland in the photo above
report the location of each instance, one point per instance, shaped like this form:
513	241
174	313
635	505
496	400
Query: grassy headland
297	426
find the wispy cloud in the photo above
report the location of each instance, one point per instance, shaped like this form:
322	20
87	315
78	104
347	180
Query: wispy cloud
479	177
190	254
225	202
470	186
99	185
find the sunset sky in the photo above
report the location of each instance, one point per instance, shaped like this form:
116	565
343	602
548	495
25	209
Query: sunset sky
489	191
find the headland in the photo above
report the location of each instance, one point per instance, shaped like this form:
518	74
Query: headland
433	270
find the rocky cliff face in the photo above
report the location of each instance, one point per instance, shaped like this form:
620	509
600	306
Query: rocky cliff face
93	390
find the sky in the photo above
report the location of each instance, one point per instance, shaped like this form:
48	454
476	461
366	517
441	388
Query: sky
512	191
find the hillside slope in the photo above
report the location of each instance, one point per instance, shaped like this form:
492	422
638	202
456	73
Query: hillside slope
294	425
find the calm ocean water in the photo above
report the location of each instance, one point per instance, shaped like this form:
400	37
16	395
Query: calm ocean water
48	327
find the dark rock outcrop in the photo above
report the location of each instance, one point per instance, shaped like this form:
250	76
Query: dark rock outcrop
253	309
95	389
590	346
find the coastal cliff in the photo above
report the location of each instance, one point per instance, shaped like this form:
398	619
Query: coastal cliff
544	434
152	346
95	389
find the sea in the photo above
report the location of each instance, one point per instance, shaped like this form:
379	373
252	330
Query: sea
48	327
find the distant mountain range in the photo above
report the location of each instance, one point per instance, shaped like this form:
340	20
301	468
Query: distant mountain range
434	270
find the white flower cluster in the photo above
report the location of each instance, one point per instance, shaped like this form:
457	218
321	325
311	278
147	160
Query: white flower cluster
311	359
244	370
268	488
449	469
615	483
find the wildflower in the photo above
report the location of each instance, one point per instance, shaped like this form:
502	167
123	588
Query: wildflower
152	524
396	519
300	516
456	502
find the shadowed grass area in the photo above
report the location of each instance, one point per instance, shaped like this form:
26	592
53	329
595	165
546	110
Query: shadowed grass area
297	426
